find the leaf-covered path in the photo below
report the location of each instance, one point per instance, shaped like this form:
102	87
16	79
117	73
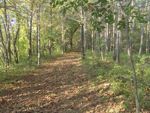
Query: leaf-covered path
59	86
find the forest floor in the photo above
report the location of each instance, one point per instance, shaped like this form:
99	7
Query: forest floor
62	85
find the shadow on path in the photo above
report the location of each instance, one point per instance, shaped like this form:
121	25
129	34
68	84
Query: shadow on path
59	86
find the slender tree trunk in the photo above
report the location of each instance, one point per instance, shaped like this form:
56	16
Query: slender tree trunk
114	42
92	37
134	77
97	44
148	31
63	32
102	47
38	36
142	40
85	30
50	47
3	45
8	49
16	57
107	39
116	35
117	49
82	41
71	41
50	43
51	17
82	34
148	39
30	34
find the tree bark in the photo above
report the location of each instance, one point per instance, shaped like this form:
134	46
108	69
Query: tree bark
134	77
148	31
30	32
71	41
38	36
3	45
142	40
107	39
148	39
116	36
16	57
82	34
92	37
63	32
117	47
8	41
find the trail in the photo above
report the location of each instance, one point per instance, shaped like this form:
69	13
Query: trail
58	86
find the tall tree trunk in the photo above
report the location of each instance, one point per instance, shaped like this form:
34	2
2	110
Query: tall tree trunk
114	42
82	41
3	45
38	36
97	44
8	43
142	40
85	30
92	37
63	33
115	32
148	39
117	47
16	57
107	39
134	77
30	34
50	43
82	34
116	36
102	46
148	31
129	49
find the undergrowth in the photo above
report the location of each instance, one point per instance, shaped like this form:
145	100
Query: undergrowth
15	71
120	76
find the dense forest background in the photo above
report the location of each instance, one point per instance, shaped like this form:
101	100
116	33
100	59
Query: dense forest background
113	37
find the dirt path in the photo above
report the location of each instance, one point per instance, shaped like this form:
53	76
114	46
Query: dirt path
58	86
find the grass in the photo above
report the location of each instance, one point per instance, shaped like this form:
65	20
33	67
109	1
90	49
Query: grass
119	75
15	71
25	66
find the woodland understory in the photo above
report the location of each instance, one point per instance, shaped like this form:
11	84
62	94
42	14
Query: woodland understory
74	56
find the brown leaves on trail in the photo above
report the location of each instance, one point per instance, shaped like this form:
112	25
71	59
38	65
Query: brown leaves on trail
59	86
3	101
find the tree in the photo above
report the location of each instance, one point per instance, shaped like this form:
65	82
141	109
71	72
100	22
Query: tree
30	23
38	34
134	77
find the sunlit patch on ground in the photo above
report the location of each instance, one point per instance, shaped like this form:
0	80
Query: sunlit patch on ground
59	86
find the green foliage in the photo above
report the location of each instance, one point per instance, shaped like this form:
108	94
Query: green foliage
109	18
119	88
96	15
143	71
121	24
119	75
15	71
